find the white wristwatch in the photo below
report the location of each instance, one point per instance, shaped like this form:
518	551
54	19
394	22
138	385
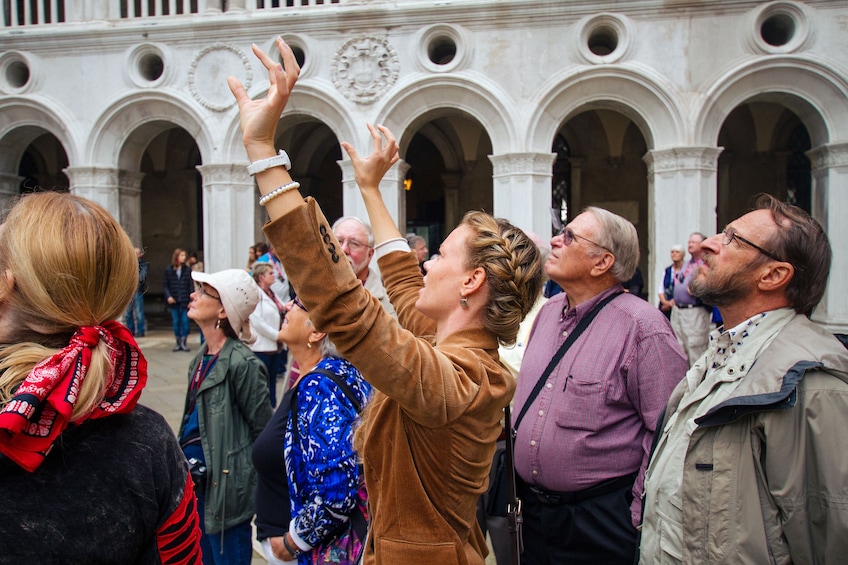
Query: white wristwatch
279	160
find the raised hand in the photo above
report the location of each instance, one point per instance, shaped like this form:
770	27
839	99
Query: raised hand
369	171
259	118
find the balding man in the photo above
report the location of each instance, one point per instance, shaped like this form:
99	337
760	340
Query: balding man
588	418
751	460
357	241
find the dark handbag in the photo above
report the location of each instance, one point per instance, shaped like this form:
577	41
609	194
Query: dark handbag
504	489
498	495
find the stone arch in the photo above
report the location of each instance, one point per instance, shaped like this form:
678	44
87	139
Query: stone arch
638	95
812	91
119	137
24	119
308	102
433	97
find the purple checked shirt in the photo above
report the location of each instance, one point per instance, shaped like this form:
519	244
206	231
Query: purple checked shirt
594	419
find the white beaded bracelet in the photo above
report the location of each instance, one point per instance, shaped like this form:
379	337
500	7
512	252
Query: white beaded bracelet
278	191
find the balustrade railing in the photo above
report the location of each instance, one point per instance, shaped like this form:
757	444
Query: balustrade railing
21	13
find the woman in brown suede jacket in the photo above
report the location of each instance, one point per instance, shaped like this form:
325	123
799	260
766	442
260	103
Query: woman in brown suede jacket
429	433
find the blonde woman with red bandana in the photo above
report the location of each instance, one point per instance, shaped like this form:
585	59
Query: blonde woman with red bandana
86	474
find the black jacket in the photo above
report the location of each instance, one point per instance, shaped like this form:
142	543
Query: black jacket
179	287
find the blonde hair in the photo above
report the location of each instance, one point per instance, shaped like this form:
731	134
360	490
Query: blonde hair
513	268
73	266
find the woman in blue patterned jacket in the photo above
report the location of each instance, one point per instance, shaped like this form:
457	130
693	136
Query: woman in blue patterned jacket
309	445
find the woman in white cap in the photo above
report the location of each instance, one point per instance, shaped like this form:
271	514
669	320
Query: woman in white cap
226	408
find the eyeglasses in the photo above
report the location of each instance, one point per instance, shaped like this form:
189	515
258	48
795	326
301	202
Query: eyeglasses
299	304
568	236
730	234
201	290
353	245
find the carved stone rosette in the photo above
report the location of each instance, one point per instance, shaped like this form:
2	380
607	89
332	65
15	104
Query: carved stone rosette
364	68
207	77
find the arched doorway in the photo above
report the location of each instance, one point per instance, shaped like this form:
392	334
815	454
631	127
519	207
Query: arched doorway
449	173
765	147
315	152
42	165
171	198
599	163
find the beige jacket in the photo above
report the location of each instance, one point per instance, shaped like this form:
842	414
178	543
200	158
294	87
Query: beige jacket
430	430
766	473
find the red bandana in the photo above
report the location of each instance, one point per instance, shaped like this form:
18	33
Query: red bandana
42	405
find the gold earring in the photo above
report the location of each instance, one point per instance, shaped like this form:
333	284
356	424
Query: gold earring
308	344
463	303
218	324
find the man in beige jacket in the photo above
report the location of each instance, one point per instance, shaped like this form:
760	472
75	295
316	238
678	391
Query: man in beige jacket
750	464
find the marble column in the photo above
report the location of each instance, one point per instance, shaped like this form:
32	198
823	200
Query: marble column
229	210
9	190
129	187
829	202
682	199
522	189
99	184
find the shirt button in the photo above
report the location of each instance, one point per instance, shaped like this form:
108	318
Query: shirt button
564	334
549	385
541	412
533	442
535	472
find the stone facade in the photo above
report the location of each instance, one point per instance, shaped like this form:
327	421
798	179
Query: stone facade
670	113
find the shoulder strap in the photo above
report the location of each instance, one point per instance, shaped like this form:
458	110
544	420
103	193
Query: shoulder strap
345	388
348	392
581	327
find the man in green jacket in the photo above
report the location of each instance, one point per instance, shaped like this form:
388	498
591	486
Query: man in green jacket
750	464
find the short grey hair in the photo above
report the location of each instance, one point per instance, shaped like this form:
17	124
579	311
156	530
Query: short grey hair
413	238
619	236
325	346
361	222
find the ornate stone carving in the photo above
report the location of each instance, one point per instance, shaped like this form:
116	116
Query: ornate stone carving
829	156
682	159
365	67
207	77
522	164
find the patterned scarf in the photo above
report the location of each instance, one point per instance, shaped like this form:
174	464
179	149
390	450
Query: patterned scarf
42	405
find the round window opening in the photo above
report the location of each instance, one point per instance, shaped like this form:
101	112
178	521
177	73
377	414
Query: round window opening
441	50
299	56
603	41
778	29
17	74
151	66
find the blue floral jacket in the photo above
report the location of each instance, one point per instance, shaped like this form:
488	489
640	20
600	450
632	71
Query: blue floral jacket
322	466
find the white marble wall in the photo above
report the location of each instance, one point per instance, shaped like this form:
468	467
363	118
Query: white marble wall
521	70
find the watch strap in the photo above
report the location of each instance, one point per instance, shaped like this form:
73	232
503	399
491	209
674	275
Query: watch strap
279	160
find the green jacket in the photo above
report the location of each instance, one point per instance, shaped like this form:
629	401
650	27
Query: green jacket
233	407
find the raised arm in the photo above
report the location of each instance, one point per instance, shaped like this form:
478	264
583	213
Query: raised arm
259	119
368	172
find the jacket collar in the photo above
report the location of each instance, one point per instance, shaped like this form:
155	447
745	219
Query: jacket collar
772	382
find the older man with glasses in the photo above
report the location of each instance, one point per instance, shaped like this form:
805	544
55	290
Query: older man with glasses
357	241
598	370
750	465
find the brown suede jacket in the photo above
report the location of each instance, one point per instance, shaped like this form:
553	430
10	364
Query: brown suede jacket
431	427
